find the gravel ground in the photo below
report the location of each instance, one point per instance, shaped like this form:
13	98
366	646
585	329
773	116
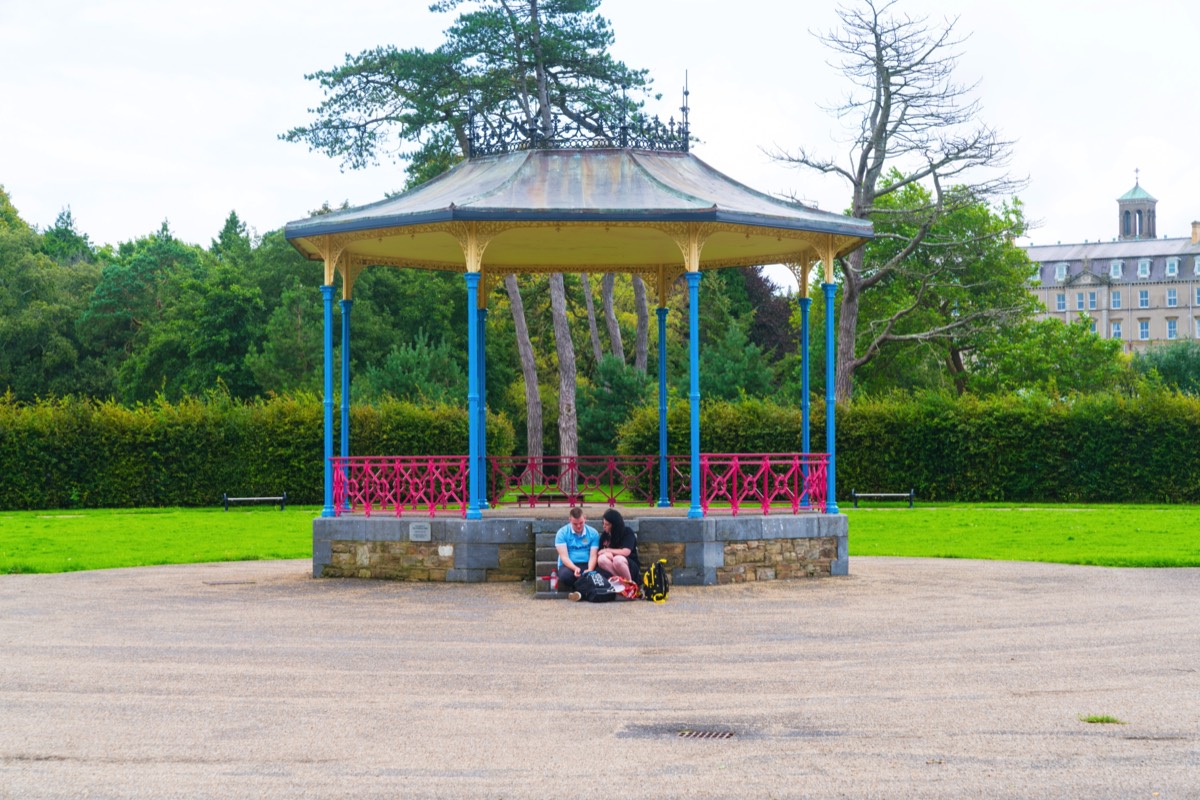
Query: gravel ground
911	678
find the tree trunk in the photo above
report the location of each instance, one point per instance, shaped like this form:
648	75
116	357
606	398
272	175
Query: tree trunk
593	331
643	324
568	434
533	401
958	370
610	318
539	61
847	328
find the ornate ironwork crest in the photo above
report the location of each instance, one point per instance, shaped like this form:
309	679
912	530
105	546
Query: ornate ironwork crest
639	132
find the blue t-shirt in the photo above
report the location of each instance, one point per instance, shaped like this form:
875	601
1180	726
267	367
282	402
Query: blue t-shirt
579	546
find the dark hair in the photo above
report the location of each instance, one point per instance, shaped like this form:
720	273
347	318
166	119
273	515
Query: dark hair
576	512
616	521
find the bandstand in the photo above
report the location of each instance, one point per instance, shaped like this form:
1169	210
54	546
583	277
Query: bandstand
636	203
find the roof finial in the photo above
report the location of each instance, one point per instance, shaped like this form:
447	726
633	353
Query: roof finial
686	131
1136	178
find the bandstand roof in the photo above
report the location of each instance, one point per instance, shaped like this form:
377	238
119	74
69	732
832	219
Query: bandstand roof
578	210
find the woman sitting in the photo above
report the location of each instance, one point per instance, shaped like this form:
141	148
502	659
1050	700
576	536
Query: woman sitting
618	548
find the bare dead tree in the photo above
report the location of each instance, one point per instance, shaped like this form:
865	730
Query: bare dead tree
593	331
643	324
909	122
610	317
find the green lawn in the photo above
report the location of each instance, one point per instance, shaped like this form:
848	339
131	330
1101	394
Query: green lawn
1106	535
1109	535
62	541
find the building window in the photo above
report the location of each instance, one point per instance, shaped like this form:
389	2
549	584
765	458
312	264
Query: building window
1144	268
1116	299
1172	329
1143	298
1172	298
1172	267
1196	269
1079	301
1198	295
1060	272
1116	269
1116	330
1092	301
1093	326
1060	302
1143	329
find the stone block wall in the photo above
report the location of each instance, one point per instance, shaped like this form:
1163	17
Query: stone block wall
698	551
777	559
395	560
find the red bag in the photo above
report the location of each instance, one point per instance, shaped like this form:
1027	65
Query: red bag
627	589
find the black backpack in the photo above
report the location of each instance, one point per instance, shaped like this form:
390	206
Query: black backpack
595	588
655	583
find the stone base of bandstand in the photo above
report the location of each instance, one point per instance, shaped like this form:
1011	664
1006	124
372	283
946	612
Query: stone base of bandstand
504	545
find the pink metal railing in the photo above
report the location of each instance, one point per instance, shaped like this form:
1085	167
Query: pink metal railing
759	482
426	484
552	480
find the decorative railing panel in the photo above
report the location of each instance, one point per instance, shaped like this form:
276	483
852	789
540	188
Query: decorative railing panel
399	484
760	483
555	480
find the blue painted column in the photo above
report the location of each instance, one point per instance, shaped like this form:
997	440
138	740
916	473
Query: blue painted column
473	510
805	401
483	470
346	306
831	506
664	496
327	297
693	279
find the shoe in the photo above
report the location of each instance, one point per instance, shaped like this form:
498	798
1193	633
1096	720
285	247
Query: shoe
576	596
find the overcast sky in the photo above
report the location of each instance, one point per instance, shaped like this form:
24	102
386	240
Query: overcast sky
134	111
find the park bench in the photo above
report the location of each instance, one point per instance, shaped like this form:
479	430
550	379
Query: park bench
910	495
281	500
549	498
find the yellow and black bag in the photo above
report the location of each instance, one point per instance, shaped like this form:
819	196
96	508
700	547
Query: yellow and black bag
655	583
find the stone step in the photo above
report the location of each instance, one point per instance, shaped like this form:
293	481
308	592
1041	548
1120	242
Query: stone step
547	554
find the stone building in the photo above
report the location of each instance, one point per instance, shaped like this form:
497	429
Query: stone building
1136	287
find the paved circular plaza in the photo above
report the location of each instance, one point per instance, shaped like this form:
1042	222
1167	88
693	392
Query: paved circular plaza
911	678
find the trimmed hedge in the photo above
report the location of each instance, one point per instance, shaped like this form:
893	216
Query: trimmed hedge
1099	448
73	453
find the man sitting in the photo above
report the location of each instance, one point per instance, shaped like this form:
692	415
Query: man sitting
577	544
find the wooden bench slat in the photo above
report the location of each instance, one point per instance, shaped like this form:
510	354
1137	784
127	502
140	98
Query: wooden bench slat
910	494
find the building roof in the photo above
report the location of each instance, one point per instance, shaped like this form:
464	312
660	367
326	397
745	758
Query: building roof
1136	193
618	206
1127	248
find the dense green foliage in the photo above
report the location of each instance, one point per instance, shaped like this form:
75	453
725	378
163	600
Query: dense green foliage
1094	448
72	453
501	64
1176	365
606	402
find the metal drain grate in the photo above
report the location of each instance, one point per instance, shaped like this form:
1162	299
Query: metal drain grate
689	734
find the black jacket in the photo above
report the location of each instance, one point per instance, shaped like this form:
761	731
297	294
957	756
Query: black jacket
622	536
